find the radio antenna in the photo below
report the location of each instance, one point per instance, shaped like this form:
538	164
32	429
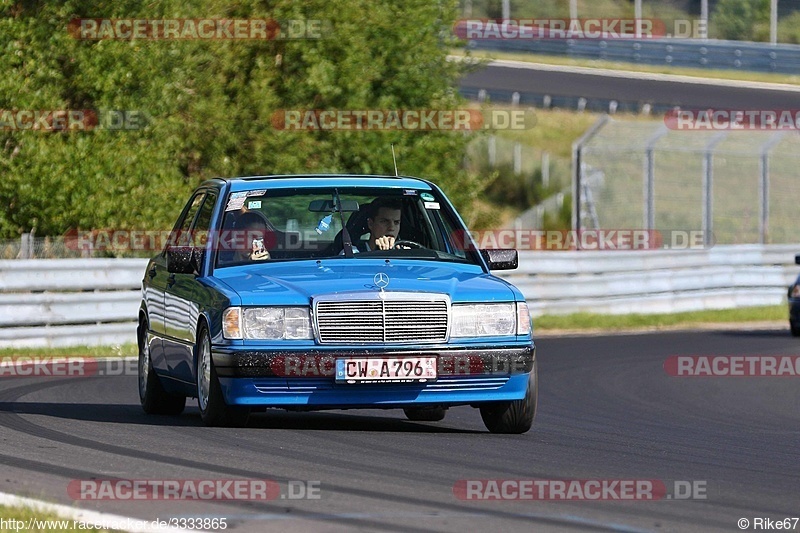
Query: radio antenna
395	162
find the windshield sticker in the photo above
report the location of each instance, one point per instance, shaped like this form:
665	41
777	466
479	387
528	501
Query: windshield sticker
258	192
254	204
427	197
431	205
410	192
236	201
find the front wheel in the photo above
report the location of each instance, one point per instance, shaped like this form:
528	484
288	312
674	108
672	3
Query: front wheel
794	329
155	400
213	409
515	416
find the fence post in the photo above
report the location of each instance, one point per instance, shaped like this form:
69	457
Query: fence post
24	248
763	190
577	168
545	170
492	151
517	159
650	178
708	186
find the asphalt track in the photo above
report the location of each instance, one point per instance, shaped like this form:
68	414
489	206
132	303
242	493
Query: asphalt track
500	80
608	410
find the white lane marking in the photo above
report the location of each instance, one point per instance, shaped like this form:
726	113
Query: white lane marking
84	515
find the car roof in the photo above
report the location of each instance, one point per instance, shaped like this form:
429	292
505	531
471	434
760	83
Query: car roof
282	181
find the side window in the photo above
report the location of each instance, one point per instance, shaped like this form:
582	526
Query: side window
455	238
181	235
202	225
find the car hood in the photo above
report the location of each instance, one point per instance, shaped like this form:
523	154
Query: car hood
295	283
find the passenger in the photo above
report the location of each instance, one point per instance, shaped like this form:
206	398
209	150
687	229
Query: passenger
252	228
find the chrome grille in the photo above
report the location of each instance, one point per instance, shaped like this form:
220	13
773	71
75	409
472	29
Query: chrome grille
382	318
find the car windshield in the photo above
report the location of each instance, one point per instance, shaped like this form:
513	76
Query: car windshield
304	223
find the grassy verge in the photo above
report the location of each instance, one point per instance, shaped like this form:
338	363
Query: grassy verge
123	350
634	67
589	321
38	521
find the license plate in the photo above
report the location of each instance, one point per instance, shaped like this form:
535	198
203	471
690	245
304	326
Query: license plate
386	370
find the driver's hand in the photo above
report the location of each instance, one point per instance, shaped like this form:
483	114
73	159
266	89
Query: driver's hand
385	243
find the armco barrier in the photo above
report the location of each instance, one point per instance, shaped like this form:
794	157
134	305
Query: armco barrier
63	302
68	302
710	54
662	281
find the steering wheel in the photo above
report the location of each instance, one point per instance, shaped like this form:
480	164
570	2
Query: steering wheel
405	243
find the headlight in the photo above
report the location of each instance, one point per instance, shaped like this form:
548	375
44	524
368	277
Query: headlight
274	323
483	320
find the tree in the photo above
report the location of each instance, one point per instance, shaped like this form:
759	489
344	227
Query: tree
739	19
210	105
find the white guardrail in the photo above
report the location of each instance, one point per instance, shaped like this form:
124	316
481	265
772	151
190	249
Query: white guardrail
63	302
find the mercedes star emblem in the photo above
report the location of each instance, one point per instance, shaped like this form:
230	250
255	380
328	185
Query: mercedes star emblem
381	280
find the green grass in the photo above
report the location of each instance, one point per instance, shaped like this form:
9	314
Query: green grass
578	321
634	67
123	350
26	514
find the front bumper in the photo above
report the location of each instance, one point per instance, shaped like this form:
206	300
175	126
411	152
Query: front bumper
306	378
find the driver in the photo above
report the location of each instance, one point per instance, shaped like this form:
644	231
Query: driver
383	221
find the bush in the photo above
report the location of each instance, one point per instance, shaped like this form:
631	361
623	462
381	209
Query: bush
210	105
740	20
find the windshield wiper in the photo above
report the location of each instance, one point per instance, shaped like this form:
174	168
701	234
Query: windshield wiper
347	243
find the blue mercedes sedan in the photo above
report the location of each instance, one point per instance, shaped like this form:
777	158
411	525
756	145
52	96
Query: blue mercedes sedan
332	292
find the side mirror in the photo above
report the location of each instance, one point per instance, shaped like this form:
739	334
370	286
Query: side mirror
184	259
501	259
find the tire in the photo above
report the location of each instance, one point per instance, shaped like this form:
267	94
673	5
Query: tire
155	400
213	409
425	414
794	329
514	417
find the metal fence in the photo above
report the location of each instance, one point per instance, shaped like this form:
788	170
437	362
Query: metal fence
28	246
710	53
737	187
67	302
531	165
